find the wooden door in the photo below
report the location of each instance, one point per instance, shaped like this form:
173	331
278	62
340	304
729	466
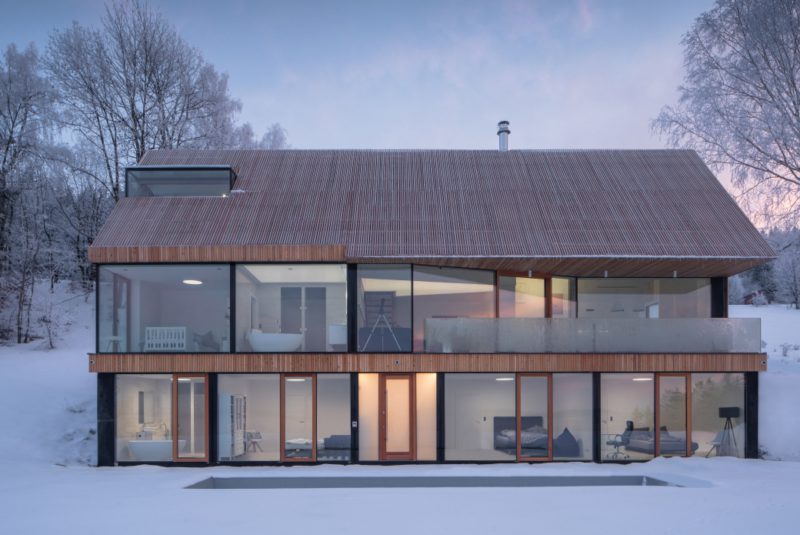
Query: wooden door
397	435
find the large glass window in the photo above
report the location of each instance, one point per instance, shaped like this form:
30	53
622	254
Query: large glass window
191	417
572	416
178	182
718	425
520	297
248	417
144	418
644	298
298	417
333	417
284	308
627	417
480	416
384	307
563	295
164	308
447	293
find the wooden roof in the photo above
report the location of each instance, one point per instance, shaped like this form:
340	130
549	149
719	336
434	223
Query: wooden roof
572	212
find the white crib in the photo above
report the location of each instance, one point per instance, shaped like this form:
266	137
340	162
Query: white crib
167	338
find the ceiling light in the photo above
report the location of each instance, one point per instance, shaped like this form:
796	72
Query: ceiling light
192	282
504	379
642	378
295	379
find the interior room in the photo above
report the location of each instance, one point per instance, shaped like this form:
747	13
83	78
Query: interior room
144	418
718	424
164	308
627	416
291	307
644	298
248	417
384	307
572	416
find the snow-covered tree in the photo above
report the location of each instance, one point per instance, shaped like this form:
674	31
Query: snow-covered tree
787	268
739	104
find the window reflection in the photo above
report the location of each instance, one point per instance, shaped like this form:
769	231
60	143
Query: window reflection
384	308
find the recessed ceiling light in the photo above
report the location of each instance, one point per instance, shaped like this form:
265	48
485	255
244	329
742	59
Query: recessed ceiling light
504	379
192	282
296	379
642	378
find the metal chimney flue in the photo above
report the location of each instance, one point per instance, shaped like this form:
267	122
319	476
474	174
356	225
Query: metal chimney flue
502	132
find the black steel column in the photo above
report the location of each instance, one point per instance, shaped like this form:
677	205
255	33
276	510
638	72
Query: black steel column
106	433
719	297
751	415
440	423
352	308
596	417
213	417
232	311
353	417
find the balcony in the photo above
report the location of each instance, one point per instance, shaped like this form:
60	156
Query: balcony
528	335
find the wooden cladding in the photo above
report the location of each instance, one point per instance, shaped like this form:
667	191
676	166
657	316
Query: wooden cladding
218	253
424	362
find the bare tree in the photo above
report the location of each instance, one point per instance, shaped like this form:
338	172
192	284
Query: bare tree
25	100
787	267
135	85
739	103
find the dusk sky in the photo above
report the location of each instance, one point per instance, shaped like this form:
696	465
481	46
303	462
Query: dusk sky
403	74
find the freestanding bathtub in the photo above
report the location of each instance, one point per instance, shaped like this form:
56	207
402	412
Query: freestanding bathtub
153	450
274	342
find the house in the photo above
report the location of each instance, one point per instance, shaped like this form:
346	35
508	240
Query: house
363	306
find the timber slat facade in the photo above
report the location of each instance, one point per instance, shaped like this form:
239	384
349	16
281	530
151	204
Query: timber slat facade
425	362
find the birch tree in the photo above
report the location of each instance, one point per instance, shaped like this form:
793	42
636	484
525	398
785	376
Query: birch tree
739	105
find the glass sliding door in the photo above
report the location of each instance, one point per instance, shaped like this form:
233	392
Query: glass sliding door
627	416
672	415
717	409
333	417
191	418
572	416
298	429
248	417
534	415
397	435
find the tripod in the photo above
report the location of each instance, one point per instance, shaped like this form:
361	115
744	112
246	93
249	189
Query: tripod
727	442
386	325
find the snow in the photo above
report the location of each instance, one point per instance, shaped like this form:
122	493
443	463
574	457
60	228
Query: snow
47	408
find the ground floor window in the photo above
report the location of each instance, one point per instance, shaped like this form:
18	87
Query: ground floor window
307	417
144	418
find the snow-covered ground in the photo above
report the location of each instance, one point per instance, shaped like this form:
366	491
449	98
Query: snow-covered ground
47	439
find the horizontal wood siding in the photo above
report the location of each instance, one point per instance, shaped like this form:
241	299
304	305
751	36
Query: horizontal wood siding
374	362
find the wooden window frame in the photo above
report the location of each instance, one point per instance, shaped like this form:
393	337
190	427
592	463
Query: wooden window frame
313	458
175	430
687	377
411	454
518	380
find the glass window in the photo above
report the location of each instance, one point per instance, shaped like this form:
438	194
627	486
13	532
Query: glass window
480	416
384	308
425	392
282	308
563	293
368	388
626	416
298	417
446	293
191	417
718	425
164	308
248	417
333	417
572	416
534	400
144	418
672	417
178	182
520	297
644	298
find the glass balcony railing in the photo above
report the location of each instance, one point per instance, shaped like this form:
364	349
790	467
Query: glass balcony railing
582	335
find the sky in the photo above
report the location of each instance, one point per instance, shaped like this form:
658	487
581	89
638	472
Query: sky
426	74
